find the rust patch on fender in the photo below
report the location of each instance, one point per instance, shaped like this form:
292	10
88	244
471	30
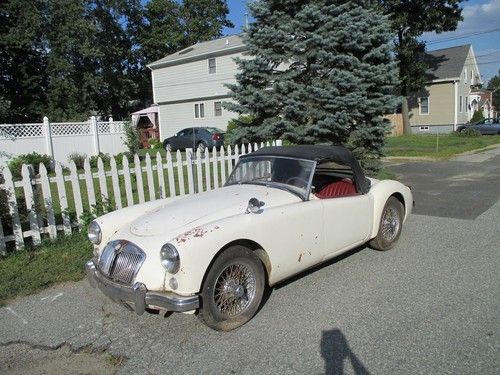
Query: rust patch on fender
194	233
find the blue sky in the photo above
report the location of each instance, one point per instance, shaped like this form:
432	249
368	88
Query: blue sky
480	16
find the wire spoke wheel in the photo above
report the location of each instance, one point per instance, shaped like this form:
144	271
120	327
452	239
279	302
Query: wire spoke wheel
234	289
390	224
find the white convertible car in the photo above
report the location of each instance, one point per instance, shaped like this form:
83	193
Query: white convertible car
282	210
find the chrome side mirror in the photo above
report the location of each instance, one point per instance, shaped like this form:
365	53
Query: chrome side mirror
254	206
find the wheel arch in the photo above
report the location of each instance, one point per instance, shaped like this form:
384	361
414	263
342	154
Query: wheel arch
250	244
381	192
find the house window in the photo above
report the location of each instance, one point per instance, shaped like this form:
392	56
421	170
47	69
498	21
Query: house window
465	75
212	67
466	104
472	77
460	108
424	105
218	109
199	110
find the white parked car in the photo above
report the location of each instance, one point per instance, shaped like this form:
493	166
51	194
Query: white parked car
281	211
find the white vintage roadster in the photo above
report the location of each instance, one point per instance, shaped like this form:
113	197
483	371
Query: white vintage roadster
282	210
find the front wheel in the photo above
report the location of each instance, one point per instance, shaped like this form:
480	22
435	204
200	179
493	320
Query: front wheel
233	289
391	223
167	147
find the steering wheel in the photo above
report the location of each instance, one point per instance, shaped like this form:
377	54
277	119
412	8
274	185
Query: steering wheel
289	181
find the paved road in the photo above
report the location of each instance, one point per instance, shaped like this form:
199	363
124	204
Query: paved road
431	305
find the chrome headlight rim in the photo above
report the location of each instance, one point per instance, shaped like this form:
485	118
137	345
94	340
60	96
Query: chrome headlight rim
170	259
94	233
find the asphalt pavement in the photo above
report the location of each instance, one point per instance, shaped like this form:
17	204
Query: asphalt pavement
429	306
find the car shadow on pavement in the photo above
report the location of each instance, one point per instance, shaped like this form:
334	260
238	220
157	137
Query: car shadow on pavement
319	266
335	351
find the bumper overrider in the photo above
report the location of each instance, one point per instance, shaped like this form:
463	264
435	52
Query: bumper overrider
138	295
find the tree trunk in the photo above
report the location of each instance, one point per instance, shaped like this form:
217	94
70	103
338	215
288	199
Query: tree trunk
406	116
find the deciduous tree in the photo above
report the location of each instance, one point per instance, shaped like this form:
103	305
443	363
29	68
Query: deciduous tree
409	20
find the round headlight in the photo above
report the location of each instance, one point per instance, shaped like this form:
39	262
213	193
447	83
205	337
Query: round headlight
94	233
170	258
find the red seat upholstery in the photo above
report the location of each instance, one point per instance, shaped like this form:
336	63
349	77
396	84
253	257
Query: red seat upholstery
337	189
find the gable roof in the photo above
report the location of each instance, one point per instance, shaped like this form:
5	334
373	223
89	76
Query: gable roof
217	47
446	63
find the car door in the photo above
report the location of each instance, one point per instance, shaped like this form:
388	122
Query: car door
347	221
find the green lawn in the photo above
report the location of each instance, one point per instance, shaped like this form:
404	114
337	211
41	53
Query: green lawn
29	271
431	145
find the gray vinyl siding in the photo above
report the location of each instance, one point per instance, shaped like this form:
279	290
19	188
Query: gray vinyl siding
175	117
192	80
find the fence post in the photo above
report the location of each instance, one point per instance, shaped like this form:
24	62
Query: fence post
95	130
111	125
48	137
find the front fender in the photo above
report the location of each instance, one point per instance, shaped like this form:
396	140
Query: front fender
380	192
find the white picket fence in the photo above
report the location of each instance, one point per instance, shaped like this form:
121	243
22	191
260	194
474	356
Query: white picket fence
62	193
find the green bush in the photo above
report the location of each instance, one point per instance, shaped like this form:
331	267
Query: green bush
155	143
232	135
469	132
104	157
34	159
476	117
131	139
78	159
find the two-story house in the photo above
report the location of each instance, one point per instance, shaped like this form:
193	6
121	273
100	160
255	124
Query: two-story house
189	85
446	101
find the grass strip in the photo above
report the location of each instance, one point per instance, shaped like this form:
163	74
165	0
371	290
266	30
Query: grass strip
28	271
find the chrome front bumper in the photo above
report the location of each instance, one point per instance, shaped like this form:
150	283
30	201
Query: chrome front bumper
138	294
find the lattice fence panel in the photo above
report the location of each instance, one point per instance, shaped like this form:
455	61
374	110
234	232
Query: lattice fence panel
71	128
21	131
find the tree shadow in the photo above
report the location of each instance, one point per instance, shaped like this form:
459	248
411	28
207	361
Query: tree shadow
335	351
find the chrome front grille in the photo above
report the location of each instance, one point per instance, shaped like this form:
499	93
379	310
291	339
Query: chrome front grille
120	261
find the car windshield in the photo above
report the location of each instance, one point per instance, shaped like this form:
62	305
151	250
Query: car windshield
285	173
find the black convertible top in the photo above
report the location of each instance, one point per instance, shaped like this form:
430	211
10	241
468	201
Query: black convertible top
320	154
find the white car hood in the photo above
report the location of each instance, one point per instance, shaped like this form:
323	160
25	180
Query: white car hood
199	209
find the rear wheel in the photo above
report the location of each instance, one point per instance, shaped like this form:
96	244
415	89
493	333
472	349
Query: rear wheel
233	289
391	223
201	146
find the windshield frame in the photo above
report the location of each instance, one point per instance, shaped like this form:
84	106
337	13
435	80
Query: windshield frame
277	185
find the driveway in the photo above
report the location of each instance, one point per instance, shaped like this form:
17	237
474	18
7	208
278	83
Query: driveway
430	305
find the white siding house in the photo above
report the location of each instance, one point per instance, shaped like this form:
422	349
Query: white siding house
188	86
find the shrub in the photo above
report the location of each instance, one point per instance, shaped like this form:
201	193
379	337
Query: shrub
104	157
469	132
155	143
476	117
34	159
78	159
131	139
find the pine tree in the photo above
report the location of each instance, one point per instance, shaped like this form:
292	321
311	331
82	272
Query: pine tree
320	71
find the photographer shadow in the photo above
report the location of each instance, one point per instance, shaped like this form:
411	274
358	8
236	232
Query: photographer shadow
335	351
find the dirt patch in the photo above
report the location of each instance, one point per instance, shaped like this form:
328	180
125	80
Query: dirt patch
23	359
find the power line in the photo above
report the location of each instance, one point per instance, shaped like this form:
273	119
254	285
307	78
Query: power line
463	36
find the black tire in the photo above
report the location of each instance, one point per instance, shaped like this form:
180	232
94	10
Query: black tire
391	224
201	146
167	146
236	273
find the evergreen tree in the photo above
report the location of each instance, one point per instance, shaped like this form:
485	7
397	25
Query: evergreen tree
320	71
409	19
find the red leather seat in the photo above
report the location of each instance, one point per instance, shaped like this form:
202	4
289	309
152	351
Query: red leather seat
340	188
